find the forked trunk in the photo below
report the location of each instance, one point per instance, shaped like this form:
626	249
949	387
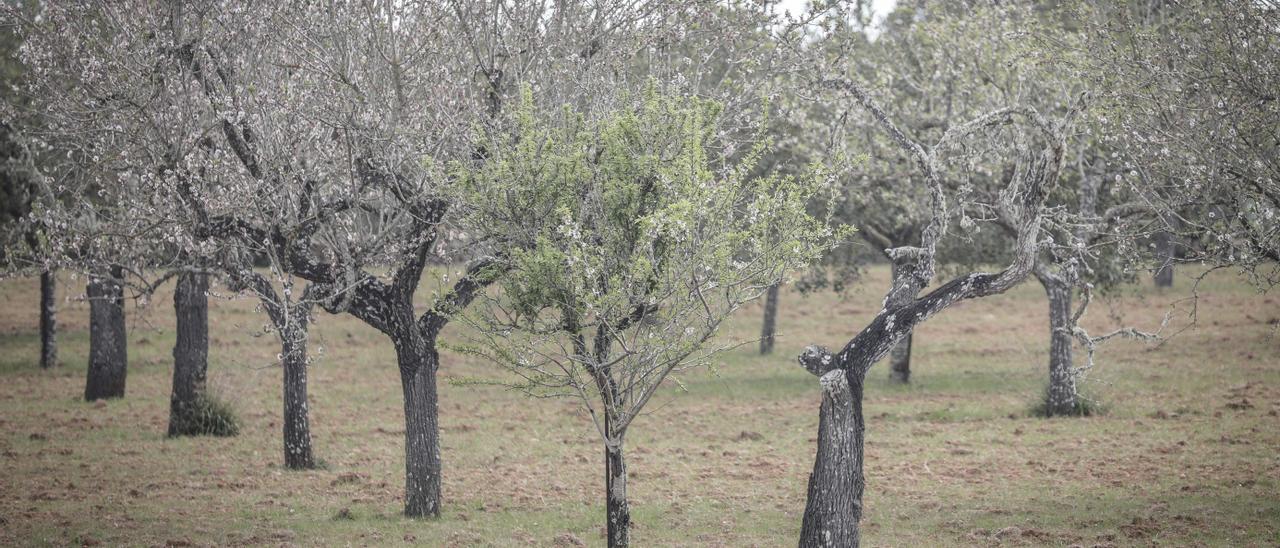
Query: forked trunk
107	337
297	424
48	320
769	329
1061	396
834	503
190	354
418	362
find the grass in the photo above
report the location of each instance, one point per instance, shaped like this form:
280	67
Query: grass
1186	453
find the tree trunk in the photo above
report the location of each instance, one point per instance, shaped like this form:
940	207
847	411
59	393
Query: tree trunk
48	320
1165	253
297	424
1061	396
900	361
418	362
834	503
770	320
900	356
617	509
190	354
107	337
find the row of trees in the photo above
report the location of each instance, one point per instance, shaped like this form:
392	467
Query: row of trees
625	176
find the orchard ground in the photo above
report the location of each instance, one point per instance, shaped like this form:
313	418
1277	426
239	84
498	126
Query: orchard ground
1187	451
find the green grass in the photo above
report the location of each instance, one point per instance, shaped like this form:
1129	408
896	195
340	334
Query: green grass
1185	454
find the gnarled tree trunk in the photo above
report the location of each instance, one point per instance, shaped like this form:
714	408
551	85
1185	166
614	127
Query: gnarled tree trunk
769	329
418	362
190	353
1061	396
834	503
107	336
297	424
48	320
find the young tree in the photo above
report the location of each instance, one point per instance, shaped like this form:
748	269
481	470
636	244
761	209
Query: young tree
628	246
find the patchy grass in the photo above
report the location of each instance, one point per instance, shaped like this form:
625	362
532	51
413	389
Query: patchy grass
1187	453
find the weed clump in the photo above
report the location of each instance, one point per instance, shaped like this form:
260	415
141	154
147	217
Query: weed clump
208	415
1084	407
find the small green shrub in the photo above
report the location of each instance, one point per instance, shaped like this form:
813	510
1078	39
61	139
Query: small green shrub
208	415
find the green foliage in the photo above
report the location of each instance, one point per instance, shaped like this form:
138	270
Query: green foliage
634	214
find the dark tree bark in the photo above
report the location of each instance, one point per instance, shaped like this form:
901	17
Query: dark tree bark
297	424
769	329
1166	253
1061	396
834	503
905	287
838	508
190	354
617	507
900	361
418	363
48	319
107	336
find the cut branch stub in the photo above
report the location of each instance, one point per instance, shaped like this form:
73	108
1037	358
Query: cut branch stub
817	360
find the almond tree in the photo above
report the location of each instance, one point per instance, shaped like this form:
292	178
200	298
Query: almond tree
1017	134
628	248
835	487
1188	100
